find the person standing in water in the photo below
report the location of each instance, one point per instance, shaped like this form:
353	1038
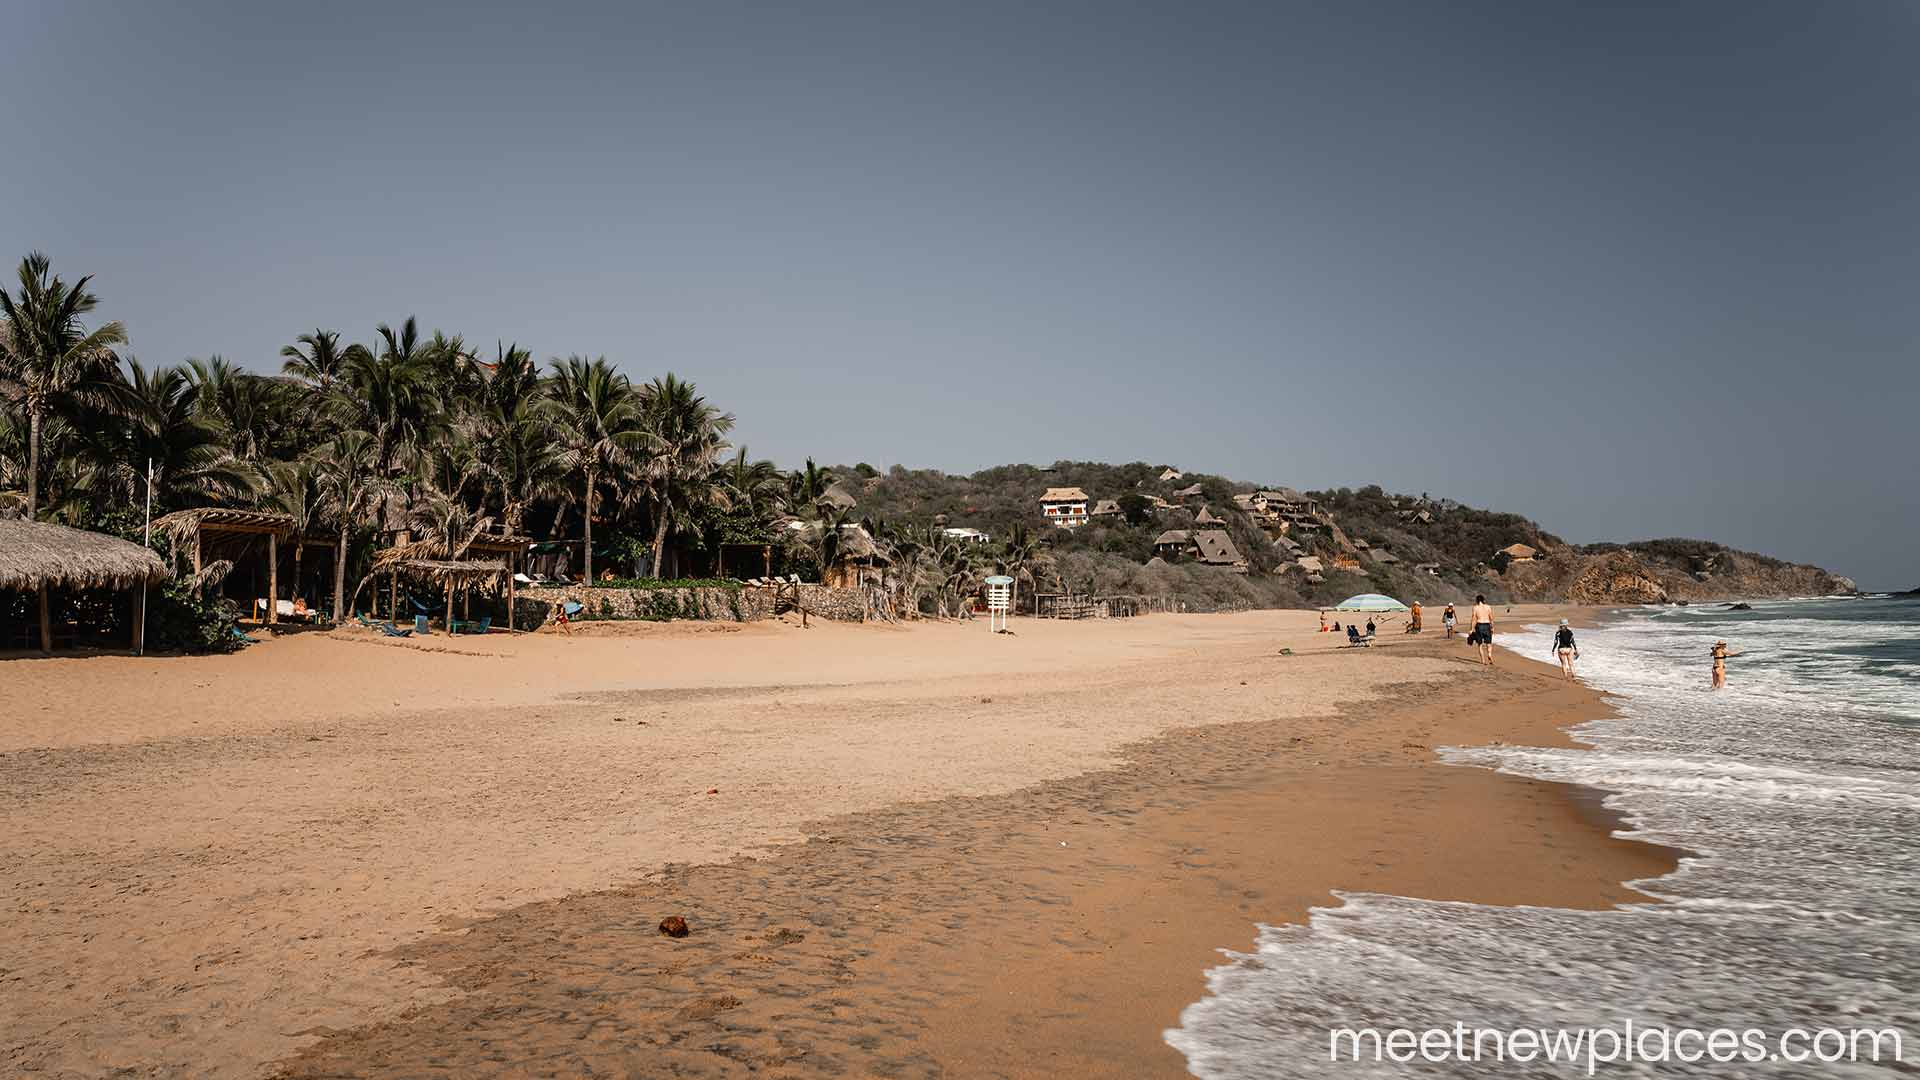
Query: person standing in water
1565	649
1449	617
1720	664
1483	627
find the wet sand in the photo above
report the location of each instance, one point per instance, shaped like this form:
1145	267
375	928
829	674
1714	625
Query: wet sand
1019	874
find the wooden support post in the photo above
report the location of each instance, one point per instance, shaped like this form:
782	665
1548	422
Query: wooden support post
46	623
512	628
273	577
196	553
766	559
140	620
449	616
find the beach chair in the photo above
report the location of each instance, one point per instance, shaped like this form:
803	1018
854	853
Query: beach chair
242	638
387	629
1357	640
473	626
420	626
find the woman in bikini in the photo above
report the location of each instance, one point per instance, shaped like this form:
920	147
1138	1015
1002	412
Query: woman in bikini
1564	647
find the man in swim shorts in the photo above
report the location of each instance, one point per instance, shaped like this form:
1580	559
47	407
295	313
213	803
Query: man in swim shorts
1483	627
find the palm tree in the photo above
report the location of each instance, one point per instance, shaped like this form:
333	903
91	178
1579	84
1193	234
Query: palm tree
597	418
317	359
156	423
242	404
754	487
50	358
805	486
347	473
684	435
293	488
1018	558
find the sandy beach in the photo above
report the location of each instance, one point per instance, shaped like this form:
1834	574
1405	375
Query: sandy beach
903	851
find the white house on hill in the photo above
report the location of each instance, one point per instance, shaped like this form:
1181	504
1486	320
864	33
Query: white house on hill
1065	507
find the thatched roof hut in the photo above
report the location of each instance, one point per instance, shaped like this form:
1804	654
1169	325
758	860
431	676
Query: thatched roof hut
461	572
184	526
37	555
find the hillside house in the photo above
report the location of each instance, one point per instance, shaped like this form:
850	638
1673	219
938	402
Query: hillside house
1191	491
1065	507
1169	474
1360	545
967	535
1385	557
1215	548
1158	505
1286	546
1431	569
1515	553
1288	503
1106	508
1206	519
1173	544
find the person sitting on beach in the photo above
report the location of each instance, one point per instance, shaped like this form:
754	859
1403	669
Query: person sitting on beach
1336	626
1564	648
1483	627
1447	619
1369	626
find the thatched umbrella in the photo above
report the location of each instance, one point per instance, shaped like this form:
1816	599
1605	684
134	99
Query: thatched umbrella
37	557
452	573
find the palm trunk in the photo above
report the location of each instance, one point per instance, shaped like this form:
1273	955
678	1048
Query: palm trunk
298	550
33	461
659	538
340	572
588	578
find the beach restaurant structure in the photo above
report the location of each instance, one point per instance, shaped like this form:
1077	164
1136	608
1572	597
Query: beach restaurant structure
252	541
38	558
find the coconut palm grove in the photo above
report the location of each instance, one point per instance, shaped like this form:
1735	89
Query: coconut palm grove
633	481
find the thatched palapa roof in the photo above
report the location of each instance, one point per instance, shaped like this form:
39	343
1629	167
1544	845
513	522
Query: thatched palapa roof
1065	494
36	554
456	571
182	526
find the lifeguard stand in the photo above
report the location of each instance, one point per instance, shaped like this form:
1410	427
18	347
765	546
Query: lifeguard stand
999	602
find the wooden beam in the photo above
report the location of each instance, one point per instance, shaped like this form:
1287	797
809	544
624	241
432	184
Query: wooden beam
46	623
140	620
273	577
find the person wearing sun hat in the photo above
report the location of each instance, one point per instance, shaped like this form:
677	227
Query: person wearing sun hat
1564	647
1720	664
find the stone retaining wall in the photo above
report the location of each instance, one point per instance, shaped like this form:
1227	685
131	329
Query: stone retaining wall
714	603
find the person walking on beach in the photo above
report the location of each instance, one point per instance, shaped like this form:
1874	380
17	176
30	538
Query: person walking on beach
1483	627
1413	624
1564	648
1448	617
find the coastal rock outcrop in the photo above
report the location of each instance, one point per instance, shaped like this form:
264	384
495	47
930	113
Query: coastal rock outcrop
1616	578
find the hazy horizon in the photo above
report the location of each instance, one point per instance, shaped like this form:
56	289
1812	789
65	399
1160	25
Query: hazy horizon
1632	273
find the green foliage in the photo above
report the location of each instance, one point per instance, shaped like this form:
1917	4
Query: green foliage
179	619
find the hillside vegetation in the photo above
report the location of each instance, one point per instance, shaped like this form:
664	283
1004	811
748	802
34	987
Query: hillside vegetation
1415	547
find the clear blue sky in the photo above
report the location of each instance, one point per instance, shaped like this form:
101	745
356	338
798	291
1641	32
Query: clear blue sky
1632	270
